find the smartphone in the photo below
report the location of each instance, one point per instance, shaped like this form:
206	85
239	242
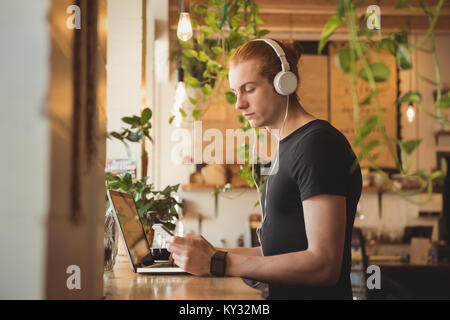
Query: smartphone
163	231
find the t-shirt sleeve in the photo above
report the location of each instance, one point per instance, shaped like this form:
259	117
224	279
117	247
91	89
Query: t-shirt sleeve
320	165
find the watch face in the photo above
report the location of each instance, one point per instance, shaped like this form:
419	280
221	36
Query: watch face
218	263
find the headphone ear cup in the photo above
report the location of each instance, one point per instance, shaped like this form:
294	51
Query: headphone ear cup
285	83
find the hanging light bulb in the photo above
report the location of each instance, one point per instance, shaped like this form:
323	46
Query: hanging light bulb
184	30
410	113
180	98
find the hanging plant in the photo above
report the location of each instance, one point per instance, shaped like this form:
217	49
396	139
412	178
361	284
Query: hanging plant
365	43
219	27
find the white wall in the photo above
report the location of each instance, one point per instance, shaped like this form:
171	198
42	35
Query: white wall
24	66
124	67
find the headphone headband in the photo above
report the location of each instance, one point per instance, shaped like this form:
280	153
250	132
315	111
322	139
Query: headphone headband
279	51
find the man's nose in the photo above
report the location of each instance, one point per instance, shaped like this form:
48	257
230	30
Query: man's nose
241	102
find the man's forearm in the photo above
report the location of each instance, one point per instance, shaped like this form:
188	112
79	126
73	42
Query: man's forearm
300	268
254	251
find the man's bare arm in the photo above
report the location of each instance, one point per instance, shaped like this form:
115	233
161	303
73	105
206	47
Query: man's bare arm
254	251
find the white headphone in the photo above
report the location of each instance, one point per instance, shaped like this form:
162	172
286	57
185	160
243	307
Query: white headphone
285	82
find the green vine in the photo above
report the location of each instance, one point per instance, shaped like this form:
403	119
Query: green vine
361	45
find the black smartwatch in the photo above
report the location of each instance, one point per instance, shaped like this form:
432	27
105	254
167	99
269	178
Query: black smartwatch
218	263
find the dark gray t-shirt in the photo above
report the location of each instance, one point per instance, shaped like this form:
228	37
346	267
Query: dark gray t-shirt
314	159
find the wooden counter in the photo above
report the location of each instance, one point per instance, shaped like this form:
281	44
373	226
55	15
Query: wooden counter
122	283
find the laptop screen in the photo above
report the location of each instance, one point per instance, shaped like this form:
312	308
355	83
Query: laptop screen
131	226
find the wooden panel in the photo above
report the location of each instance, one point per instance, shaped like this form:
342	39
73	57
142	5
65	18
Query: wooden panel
341	105
313	89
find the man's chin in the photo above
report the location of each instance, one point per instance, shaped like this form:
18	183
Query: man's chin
255	124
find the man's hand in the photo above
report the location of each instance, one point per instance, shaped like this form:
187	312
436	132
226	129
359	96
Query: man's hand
191	253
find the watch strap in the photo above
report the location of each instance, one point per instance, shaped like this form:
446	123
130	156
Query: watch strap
218	263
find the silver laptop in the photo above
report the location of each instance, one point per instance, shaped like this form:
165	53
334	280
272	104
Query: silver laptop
131	230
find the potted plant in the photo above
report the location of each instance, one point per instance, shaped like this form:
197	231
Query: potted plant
153	206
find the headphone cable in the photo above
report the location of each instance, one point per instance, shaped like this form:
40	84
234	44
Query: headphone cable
263	210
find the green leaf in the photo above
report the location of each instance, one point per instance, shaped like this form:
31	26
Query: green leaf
400	37
147	134
194	23
182	112
191	81
207	89
409	146
207	31
136	122
116	135
201	38
389	45
211	21
444	167
367	148
196	113
341	8
203	56
146	115
366	101
201	9
114	185
250	29
411	96
367	128
437	175
332	24
111	177
127	120
231	97
401	4
213	66
258	20
189	53
241	119
403	58
192	100
223	73
127	178
379	71
217	49
235	38
133	121
420	173
343	59
171	119
262	33
444	102
134	136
